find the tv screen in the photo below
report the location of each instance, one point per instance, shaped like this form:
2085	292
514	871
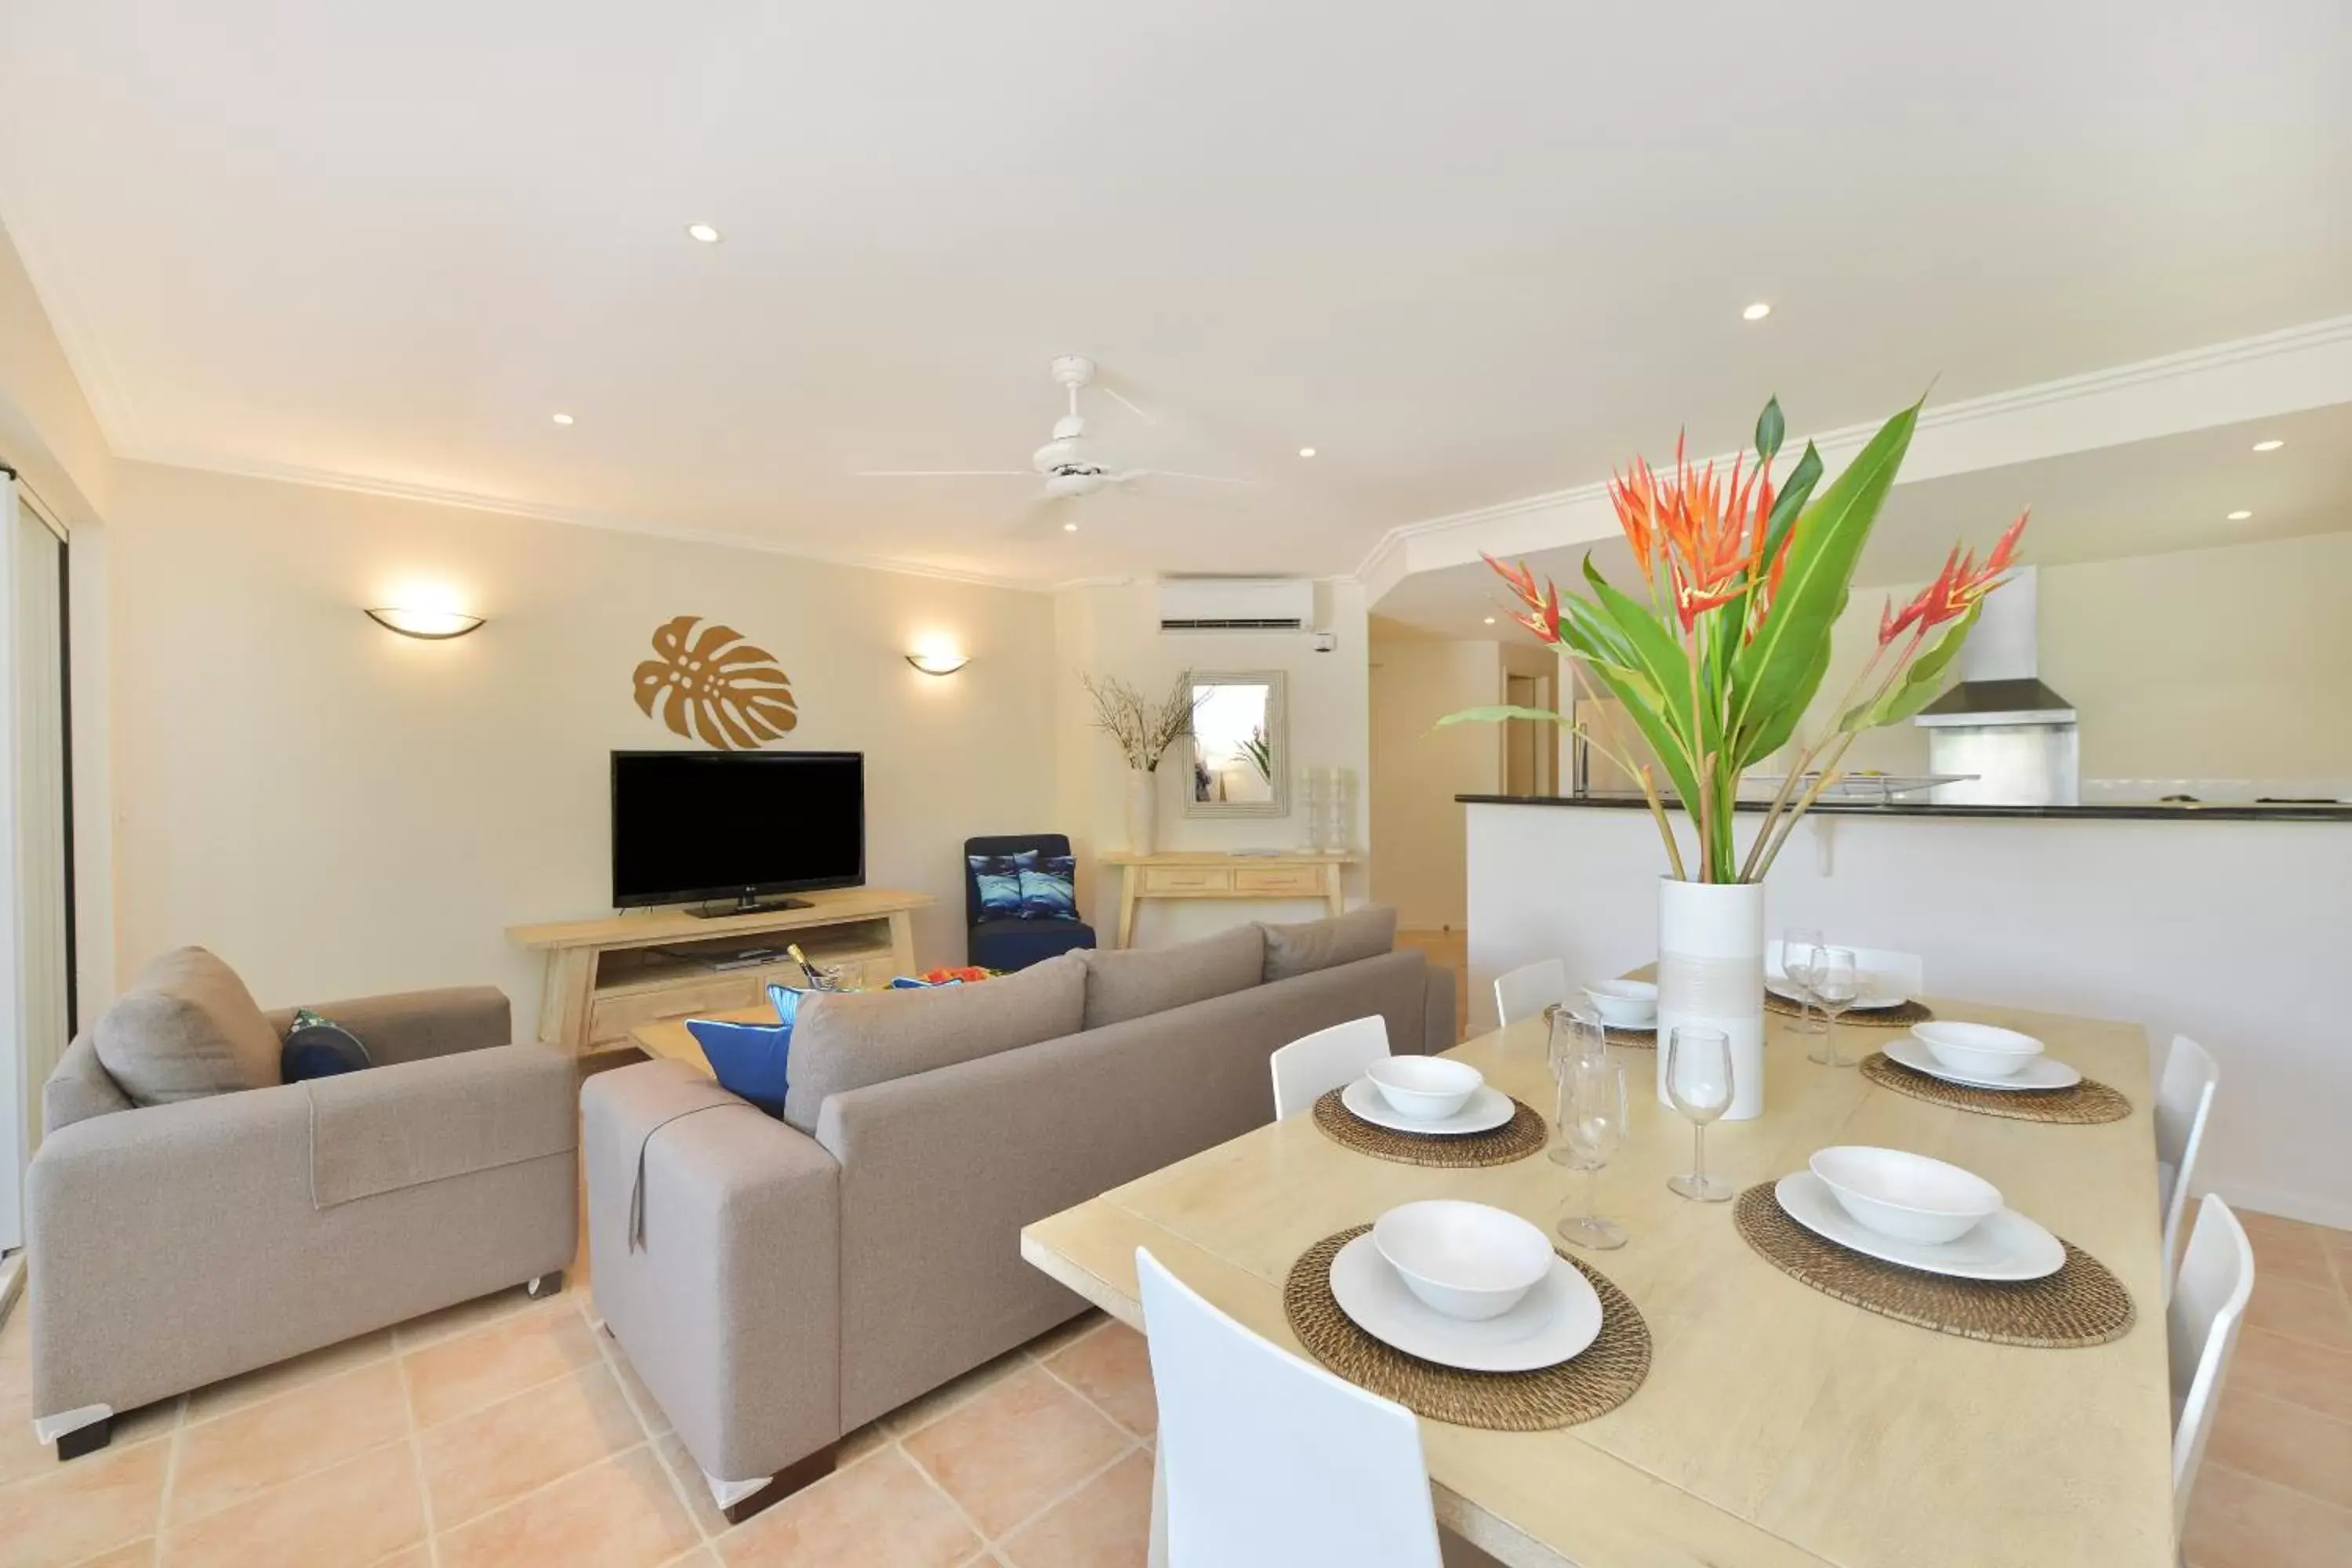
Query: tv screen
699	826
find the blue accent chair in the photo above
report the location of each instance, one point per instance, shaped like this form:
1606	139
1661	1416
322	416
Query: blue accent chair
999	942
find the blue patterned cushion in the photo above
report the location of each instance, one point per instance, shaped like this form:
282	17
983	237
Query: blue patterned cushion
909	983
319	1047
786	1001
999	877
1046	893
748	1059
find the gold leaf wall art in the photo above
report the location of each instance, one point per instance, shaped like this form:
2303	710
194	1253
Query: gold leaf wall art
713	687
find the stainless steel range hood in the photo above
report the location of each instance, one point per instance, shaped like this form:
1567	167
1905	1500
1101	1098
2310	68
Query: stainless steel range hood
2002	721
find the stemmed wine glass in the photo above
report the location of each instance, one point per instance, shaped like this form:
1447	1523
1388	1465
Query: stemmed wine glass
1699	1081
1837	985
1574	1038
1593	1111
1797	951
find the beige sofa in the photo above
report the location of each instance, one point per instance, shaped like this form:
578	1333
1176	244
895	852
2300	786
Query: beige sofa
779	1284
216	1228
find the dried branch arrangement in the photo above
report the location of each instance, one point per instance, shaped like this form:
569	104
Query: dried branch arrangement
1143	729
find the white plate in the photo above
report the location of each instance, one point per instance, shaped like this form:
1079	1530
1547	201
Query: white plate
1877	1002
2007	1247
2042	1072
1488	1109
1552	1323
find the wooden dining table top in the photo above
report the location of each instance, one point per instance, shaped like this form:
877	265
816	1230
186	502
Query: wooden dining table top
1778	1425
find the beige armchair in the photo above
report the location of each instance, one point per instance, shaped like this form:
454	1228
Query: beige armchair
175	1243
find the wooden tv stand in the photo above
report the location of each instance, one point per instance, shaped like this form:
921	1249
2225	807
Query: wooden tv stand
604	977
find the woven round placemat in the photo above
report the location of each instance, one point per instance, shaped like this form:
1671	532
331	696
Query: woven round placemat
1901	1016
1596	1381
1636	1039
2082	1304
1521	1136
2084	1104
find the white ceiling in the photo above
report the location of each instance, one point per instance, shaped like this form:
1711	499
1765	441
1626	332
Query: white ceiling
2142	499
1470	256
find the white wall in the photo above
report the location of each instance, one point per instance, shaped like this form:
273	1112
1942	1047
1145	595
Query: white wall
1114	629
338	810
2231	933
1417	853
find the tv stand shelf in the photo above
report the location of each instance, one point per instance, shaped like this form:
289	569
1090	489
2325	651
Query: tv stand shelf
604	977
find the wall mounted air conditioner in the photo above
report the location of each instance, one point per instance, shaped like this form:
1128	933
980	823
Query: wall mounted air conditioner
1237	604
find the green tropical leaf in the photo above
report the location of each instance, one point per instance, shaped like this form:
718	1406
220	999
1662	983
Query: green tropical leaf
1771	429
1778	672
1918	686
1498	713
1658	657
1791	500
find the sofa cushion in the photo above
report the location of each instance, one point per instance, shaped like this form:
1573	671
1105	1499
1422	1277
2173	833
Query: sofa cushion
848	1039
1127	982
78	1088
1311	945
186	1028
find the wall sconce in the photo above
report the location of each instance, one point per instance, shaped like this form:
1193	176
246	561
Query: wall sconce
937	661
433	625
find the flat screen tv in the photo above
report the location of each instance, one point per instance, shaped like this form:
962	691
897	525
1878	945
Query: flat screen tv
738	826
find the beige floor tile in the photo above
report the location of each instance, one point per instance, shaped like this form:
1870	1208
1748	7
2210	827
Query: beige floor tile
466	1316
918	1413
457	1376
641	1398
138	1554
413	1557
478	1462
691	1487
860	1443
253	1387
1006	1453
94	1504
2288	1249
1106	1523
2285	1442
619	1514
236	1456
2277	1367
356	1514
2239	1521
2305	1312
1112	1367
1077	1328
879	1511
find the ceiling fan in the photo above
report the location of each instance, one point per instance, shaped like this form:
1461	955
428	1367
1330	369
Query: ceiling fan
1071	464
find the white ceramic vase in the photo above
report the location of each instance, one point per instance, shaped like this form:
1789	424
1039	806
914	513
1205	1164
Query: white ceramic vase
1711	974
1143	811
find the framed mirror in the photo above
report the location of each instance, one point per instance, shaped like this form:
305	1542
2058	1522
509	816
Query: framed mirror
1241	745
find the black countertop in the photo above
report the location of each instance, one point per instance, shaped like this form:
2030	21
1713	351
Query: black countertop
2141	812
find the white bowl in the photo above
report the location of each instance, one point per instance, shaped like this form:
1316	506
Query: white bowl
1624	1003
1465	1260
1428	1088
1978	1050
1907	1196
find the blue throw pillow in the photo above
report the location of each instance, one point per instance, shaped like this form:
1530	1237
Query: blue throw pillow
319	1047
1046	893
909	983
999	877
750	1059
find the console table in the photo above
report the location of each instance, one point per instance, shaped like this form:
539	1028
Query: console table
1212	874
606	976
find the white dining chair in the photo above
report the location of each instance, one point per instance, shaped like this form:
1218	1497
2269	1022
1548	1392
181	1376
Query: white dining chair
1906	970
1313	1065
1268	1461
1527	991
2202	1330
2184	1098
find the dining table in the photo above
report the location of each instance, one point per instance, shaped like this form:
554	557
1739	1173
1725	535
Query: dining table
1776	1424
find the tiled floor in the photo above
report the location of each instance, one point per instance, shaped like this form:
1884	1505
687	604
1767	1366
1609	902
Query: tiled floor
509	1432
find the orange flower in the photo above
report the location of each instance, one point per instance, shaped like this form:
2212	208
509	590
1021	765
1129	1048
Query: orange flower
1956	589
1711	531
1543	607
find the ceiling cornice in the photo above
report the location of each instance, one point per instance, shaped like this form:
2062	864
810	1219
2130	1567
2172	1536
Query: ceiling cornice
2274	373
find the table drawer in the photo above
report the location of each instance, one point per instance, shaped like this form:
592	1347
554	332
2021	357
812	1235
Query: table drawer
611	1018
1305	881
1187	879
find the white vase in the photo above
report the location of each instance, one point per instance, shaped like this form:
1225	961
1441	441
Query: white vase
1711	974
1143	811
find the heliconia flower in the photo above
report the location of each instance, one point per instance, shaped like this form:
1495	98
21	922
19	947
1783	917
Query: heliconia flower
1542	615
1956	589
1712	531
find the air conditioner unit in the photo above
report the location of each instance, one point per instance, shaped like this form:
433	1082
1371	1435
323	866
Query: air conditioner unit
1237	604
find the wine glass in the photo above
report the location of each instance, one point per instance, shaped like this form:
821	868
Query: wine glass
1575	1037
1797	951
1837	985
1593	1111
1699	1081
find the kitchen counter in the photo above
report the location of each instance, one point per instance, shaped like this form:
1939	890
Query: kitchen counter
2137	811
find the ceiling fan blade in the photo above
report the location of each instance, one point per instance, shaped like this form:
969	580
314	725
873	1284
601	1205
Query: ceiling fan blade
1116	395
944	474
1177	474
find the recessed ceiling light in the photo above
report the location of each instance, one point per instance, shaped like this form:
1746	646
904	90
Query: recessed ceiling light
1069	528
1490	620
2272	444
1305	451
703	232
563	419
1757	311
2240	516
